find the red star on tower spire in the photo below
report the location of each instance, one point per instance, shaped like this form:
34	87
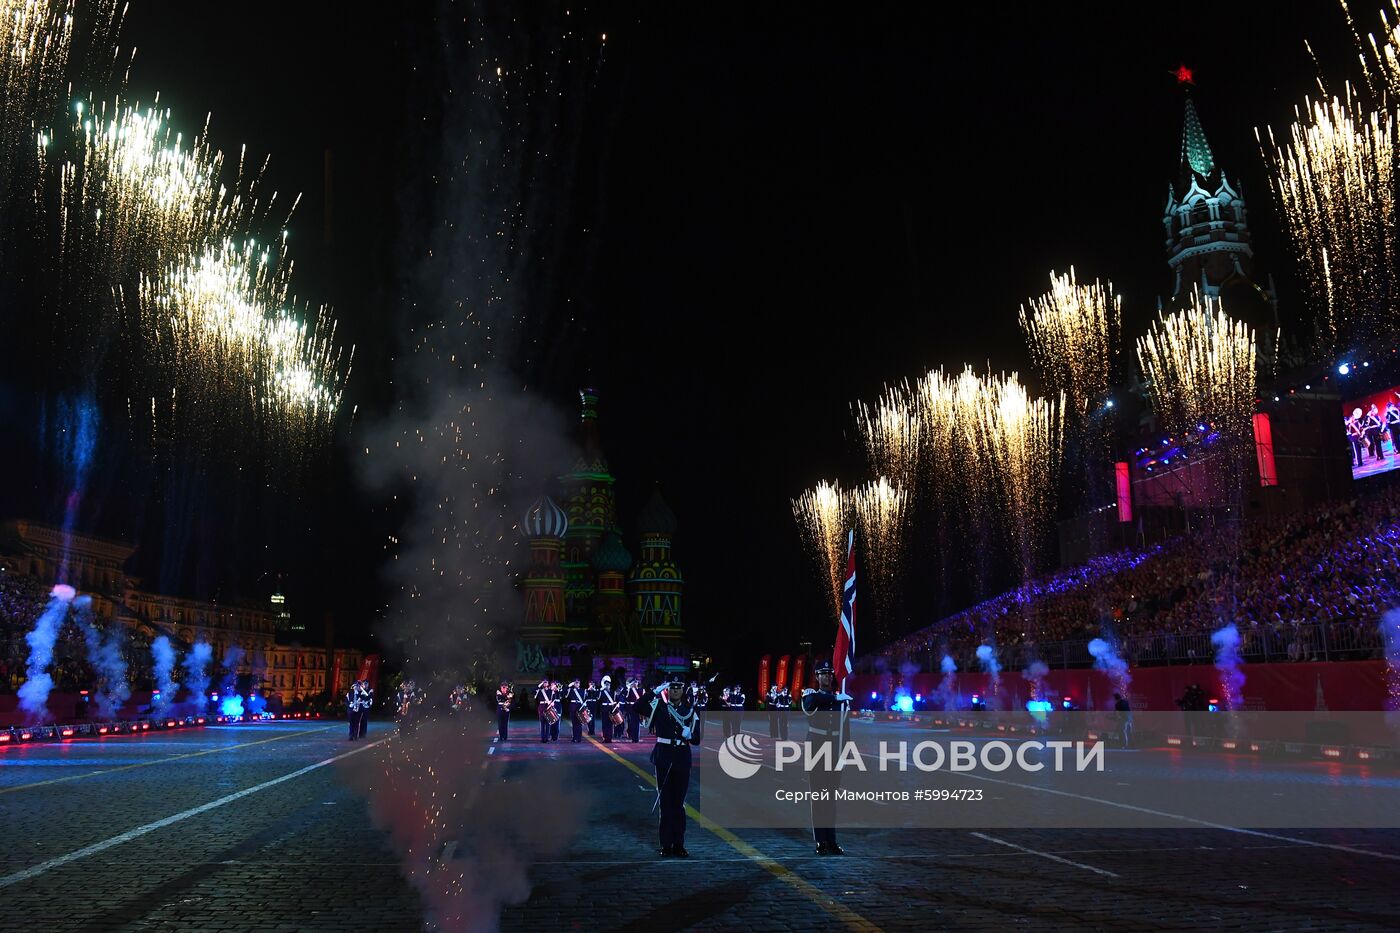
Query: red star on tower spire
1183	75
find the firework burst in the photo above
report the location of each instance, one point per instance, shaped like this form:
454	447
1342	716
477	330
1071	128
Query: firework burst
1073	332
881	510
822	516
1334	178
35	39
890	432
222	324
1199	366
1023	438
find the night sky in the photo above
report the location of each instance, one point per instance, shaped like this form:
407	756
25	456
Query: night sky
781	210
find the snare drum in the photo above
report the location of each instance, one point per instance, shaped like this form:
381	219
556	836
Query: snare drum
585	715
617	717
551	715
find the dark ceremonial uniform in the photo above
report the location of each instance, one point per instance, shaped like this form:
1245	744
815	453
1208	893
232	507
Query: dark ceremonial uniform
575	701
352	709
542	703
556	693
634	712
671	758
827	717
590	696
782	705
503	699
366	703
606	705
734	705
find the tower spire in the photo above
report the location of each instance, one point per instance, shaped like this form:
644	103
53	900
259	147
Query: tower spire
1195	150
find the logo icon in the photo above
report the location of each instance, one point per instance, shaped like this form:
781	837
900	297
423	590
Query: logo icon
740	756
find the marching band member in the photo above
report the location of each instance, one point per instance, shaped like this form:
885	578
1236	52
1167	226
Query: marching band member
366	703
771	701
677	727
543	703
634	711
556	693
734	705
352	709
590	696
606	706
504	695
783	703
827	711
575	703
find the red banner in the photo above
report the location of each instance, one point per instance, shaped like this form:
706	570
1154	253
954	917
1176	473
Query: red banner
369	669
799	671
781	677
1125	491
763	666
1264	449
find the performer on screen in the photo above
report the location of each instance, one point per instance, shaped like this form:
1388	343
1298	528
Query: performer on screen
1356	436
1373	426
1392	427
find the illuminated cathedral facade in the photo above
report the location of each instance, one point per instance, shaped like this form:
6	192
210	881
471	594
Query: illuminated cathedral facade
586	595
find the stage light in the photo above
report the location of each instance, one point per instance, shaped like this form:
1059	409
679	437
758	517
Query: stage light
1214	705
67	732
1254	746
5	737
1343	369
1332	752
171	724
200	720
26	736
1108	404
145	726
874	695
1308	387
1275	398
101	730
1039	706
1066	702
1173	740
1367	363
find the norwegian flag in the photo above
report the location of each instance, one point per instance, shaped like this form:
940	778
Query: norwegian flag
846	627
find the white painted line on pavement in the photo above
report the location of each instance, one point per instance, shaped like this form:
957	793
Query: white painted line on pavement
1050	856
130	834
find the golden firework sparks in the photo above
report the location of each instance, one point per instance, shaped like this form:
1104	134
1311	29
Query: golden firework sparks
1023	439
223	321
35	39
881	509
890	432
822	515
1073	331
1335	180
136	190
1199	366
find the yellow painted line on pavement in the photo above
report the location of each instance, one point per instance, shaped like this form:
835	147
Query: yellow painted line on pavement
851	919
159	761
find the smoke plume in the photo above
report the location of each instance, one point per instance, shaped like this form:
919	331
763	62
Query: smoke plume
163	663
196	673
1227	661
34	692
1036	673
1106	659
104	654
946	685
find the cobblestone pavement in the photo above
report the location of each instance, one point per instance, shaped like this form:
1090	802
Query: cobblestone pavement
301	854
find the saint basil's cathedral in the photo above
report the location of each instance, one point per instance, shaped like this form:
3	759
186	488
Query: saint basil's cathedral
589	604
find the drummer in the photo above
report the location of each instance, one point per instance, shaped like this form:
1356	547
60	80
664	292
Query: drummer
576	709
607	707
543	703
